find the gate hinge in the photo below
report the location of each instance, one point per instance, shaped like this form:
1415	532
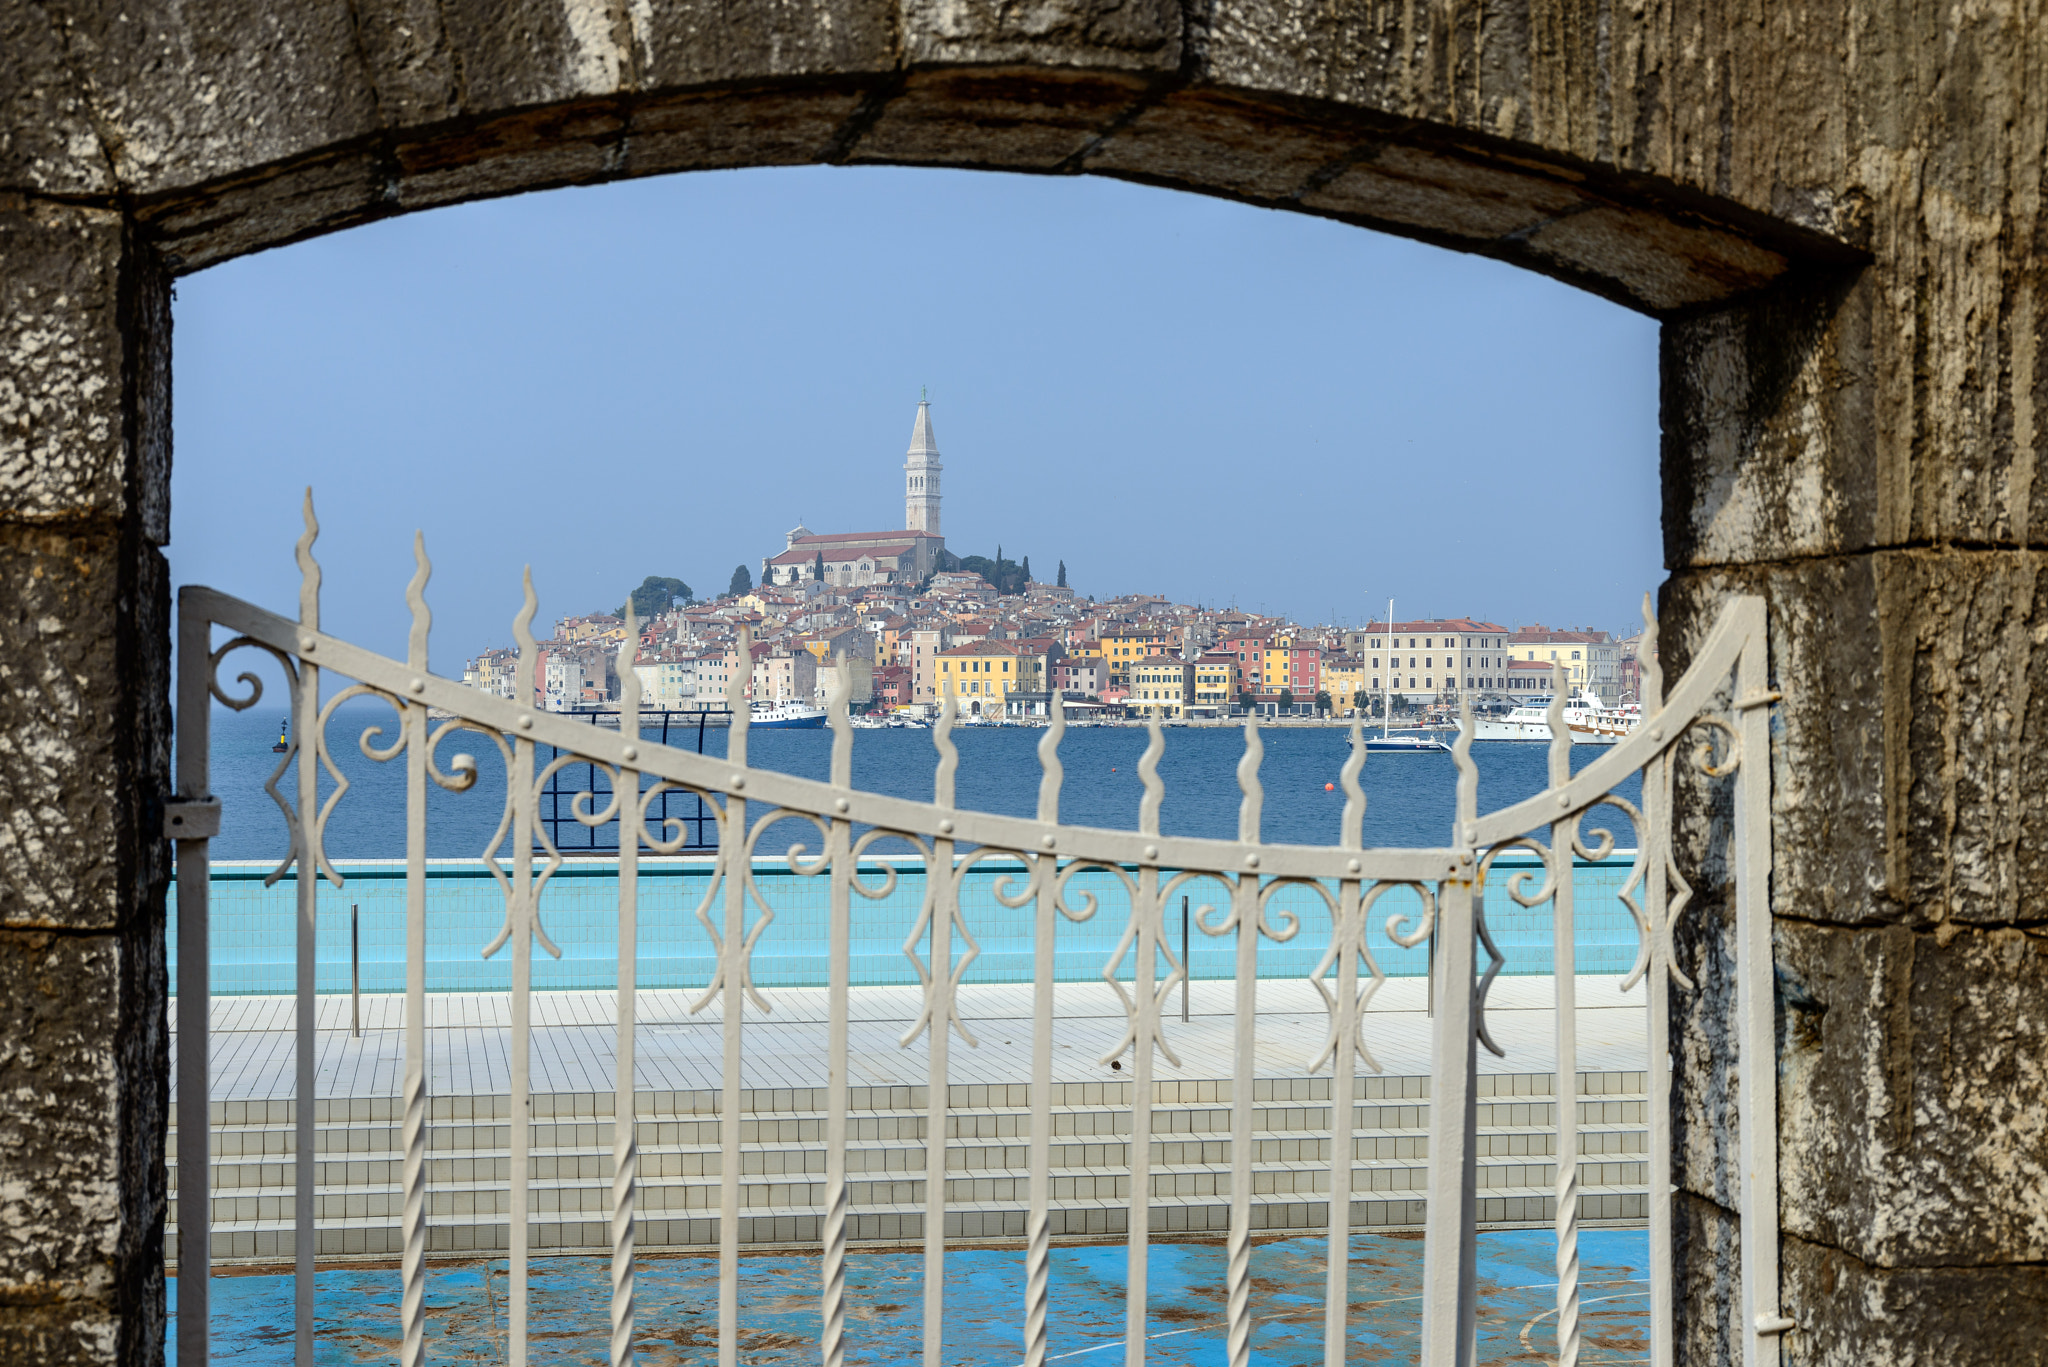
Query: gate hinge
186	819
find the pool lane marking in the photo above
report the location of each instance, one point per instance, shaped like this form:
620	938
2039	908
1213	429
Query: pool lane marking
1626	1295
1200	1328
1361	1305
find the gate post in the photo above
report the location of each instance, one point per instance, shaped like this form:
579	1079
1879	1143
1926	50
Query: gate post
1449	1248
84	765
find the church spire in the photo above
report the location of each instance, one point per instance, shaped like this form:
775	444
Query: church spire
921	475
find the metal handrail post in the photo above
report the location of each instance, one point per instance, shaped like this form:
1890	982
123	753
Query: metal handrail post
355	971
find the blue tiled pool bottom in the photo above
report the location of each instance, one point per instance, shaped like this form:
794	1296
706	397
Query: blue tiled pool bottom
253	928
356	1311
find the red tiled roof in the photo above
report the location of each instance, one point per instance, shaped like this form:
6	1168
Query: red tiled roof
798	556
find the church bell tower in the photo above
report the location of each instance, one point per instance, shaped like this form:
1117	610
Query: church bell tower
921	476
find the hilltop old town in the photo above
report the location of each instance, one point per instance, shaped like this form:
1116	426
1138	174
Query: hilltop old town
907	622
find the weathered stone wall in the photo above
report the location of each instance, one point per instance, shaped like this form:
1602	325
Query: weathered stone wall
1835	208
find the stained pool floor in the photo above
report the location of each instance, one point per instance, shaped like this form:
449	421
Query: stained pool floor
357	1310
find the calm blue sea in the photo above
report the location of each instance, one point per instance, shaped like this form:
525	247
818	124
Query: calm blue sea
1410	798
1410	801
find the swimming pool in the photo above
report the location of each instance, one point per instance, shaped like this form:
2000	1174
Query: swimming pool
253	937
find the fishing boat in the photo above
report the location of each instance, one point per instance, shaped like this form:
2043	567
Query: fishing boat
1586	718
1407	743
787	715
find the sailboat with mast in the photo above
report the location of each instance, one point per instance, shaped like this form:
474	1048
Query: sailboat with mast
1386	741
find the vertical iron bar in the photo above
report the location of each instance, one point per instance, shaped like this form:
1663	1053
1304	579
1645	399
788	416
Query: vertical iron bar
1138	1237
305	1155
1238	1247
1187	965
1245	919
1448	1274
937	1102
1148	911
1656	853
355	971
195	994
1349	935
625	1117
413	1134
520	1119
734	852
520	917
838	1007
1755	979
1038	1220
1565	1087
941	878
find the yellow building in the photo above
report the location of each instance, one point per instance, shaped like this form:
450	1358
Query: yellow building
1215	673
983	675
1343	679
1160	686
1571	649
1124	646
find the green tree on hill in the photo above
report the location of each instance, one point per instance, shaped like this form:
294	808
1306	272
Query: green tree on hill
655	596
1063	574
742	583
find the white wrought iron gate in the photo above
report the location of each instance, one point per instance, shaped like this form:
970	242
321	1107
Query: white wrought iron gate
1235	883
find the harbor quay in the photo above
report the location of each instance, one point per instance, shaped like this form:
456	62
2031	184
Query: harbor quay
678	1046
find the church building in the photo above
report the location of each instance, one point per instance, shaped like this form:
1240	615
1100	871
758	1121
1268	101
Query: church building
858	559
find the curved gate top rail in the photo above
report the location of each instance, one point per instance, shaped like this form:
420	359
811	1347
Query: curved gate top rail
1072	873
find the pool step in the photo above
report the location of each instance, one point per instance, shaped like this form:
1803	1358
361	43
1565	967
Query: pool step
781	1131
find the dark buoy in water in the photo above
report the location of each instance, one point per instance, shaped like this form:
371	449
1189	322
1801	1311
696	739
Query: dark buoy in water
282	745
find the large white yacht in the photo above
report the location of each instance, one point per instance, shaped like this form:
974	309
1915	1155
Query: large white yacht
1589	721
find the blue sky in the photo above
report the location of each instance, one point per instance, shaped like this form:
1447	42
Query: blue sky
1173	394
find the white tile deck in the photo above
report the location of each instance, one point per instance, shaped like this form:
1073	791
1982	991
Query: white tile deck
574	1033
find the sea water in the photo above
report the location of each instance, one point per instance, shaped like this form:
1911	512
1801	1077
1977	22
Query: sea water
1410	802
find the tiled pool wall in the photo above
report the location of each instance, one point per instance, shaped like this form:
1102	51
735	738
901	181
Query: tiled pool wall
253	934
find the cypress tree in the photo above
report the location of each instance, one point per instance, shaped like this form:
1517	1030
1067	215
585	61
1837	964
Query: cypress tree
1063	574
1027	569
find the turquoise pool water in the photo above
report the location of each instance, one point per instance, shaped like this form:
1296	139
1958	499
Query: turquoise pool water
253	937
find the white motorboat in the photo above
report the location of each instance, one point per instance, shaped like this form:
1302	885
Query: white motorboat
785	714
1589	721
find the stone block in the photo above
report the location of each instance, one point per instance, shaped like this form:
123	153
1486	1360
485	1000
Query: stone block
680	44
1767	427
1851	1314
1706	1273
1913	1108
84	1067
521	54
777	127
84	725
191	94
47	142
1903	749
1135	35
84	369
1827	734
1034	120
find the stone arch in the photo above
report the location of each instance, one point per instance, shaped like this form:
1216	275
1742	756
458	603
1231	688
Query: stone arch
1835	213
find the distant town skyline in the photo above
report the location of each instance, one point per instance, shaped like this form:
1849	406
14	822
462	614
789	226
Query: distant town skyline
1173	395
